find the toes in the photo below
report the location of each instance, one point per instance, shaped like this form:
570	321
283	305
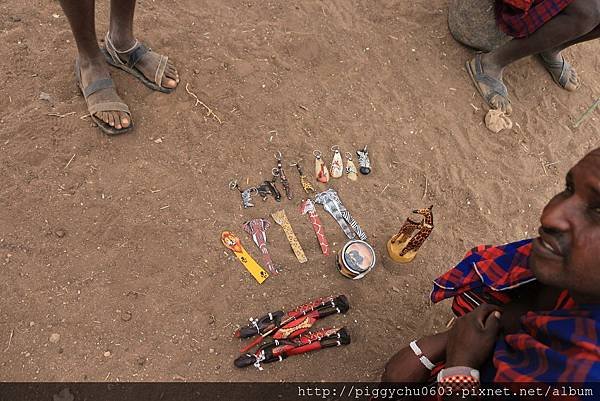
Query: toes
103	116
111	119
172	72
500	103
125	122
117	117
573	81
168	82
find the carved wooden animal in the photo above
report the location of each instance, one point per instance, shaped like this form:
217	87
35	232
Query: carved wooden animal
403	246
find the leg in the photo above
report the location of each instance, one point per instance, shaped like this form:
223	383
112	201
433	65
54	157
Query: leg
91	61
579	18
121	35
553	59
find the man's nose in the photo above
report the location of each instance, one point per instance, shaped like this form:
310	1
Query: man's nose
558	214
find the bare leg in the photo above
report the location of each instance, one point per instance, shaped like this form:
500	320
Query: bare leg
91	61
121	34
555	57
577	20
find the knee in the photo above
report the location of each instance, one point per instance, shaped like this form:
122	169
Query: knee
586	13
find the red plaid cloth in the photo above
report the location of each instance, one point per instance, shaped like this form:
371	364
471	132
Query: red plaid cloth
521	22
560	345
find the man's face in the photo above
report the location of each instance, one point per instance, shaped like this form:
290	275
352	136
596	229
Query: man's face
567	253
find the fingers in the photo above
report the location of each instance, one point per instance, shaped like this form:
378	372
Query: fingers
492	322
483	312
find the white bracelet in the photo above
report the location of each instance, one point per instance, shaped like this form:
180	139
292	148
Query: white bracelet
424	360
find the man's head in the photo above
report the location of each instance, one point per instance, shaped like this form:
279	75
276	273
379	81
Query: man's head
567	253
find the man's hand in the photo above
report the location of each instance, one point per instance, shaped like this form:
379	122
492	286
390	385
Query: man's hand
472	338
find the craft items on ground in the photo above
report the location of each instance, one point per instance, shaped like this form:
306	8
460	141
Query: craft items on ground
308	207
321	171
333	205
306	185
268	188
257	229
246	194
364	161
281	218
351	167
278	172
232	242
337	164
289	332
356	259
403	246
278	350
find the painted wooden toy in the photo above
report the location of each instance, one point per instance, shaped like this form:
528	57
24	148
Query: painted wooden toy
403	246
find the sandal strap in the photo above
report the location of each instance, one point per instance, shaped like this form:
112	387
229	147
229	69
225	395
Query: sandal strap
160	70
108	106
563	78
97	86
134	55
496	85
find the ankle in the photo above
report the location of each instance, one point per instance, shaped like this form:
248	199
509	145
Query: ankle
122	41
87	62
551	54
490	64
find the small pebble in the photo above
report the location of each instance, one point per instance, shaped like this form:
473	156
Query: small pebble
45	96
54	338
14	18
126	316
395	289
107	354
60	233
211	351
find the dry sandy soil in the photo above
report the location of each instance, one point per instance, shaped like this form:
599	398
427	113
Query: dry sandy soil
114	243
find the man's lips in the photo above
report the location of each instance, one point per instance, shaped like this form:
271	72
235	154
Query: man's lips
548	244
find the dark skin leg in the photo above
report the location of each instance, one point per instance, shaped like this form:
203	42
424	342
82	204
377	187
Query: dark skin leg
121	35
594	34
92	63
574	25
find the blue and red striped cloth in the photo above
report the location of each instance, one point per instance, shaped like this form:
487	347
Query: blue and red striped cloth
560	345
521	18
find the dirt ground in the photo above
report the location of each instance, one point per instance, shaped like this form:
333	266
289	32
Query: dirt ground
114	243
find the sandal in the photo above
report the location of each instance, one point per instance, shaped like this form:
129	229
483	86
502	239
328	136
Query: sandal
94	87
562	78
136	53
497	87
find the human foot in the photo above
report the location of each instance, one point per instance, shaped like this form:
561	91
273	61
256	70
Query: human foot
104	104
153	69
562	72
487	78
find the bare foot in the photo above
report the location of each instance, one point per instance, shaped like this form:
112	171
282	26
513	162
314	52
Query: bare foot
562	72
148	64
91	71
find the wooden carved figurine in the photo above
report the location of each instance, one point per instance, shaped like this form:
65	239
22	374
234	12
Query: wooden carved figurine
403	246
